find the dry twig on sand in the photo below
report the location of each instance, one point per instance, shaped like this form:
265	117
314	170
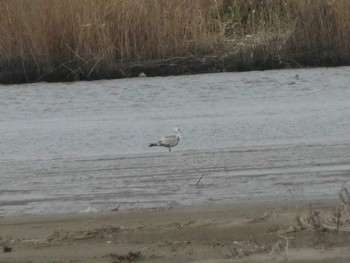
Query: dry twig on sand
260	218
200	178
334	224
345	200
279	243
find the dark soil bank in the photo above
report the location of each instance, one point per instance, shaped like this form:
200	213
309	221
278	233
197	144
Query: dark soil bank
238	62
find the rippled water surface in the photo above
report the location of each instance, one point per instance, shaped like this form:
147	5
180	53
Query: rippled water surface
66	147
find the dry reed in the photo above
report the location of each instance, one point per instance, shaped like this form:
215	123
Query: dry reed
83	36
89	39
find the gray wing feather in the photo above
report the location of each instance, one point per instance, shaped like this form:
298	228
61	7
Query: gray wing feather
171	140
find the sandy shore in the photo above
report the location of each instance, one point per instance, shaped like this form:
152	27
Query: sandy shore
240	233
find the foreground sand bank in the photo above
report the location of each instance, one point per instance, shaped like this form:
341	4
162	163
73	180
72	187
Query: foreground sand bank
240	233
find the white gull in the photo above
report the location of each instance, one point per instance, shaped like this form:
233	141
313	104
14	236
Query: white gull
171	140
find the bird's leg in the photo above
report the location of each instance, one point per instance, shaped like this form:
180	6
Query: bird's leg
169	149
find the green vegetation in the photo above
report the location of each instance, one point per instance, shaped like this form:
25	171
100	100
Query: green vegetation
64	40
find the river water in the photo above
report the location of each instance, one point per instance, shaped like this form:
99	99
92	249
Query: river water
82	146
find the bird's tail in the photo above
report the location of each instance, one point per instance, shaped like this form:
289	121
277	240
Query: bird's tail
153	144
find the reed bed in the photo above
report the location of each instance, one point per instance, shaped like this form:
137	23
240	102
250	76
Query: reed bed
61	40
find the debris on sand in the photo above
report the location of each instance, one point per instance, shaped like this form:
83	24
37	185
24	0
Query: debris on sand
129	257
265	216
338	222
7	248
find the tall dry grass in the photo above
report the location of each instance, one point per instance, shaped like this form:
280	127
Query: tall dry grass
91	38
321	34
90	35
309	32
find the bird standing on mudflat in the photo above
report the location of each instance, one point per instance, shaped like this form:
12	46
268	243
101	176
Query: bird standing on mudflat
171	140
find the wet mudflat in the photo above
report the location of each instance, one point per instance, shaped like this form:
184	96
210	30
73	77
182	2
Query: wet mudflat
71	147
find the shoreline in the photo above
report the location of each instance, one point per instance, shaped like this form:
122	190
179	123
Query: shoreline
250	204
236	62
177	66
206	233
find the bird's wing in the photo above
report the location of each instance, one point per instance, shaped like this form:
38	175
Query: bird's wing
171	139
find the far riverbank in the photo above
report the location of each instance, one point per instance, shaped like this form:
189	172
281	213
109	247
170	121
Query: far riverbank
88	40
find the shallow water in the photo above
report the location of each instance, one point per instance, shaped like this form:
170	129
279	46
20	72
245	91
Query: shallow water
68	147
